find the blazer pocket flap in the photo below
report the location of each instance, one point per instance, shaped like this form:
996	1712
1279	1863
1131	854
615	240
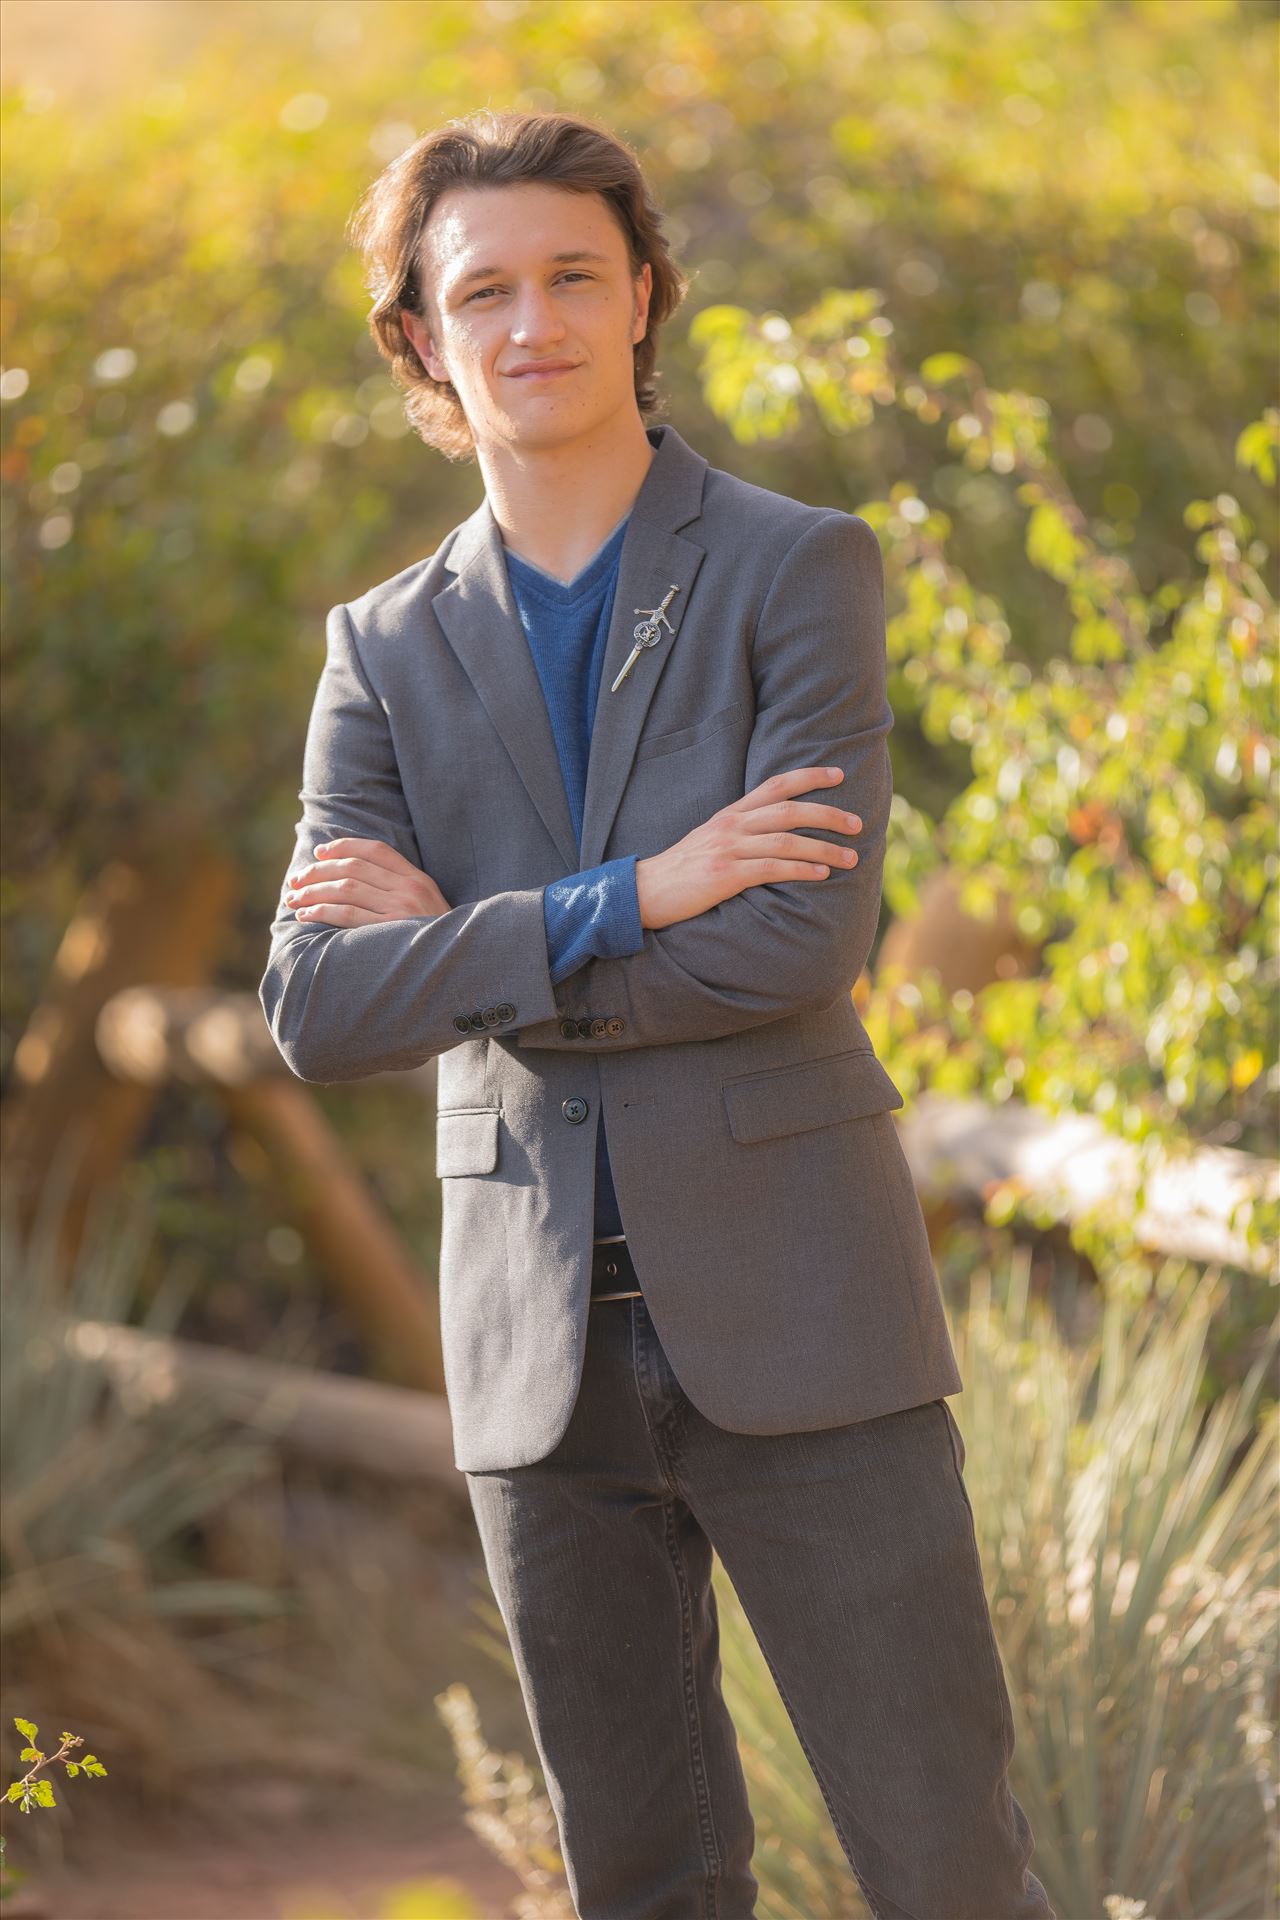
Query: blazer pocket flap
466	1140
843	1086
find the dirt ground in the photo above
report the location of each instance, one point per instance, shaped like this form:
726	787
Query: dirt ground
290	1864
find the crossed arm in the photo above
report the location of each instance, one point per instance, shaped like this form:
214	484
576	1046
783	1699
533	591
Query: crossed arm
344	1002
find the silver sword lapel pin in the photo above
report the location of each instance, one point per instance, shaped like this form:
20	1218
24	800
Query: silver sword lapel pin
647	633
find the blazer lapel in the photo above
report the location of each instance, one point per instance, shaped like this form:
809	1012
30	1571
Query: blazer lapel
478	615
654	559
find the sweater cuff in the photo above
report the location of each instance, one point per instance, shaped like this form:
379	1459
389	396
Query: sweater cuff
594	915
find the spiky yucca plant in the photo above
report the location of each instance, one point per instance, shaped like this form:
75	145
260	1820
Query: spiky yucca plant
97	1489
508	1808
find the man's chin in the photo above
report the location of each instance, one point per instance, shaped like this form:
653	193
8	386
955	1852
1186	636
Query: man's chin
547	427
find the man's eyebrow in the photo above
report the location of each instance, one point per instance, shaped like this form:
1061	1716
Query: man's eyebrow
558	259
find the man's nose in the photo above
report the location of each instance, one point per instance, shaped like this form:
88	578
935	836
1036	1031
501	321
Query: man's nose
536	317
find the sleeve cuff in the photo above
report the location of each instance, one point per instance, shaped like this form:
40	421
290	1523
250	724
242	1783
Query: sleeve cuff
594	915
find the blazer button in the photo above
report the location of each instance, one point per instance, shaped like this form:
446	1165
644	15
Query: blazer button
598	1029
569	1029
614	1024
490	1016
462	1023
506	1011
584	1027
574	1111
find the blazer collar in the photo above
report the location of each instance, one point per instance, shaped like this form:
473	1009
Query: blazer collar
479	618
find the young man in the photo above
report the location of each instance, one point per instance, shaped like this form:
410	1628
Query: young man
594	811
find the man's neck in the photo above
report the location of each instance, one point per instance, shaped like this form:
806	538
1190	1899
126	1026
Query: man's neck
555	507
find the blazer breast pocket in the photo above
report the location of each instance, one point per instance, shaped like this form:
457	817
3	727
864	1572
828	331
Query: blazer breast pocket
712	723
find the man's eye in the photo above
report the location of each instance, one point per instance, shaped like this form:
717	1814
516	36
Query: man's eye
573	274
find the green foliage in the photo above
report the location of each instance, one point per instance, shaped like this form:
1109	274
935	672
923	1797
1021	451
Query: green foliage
1122	791
201	450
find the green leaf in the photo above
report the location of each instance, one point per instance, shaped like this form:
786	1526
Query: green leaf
1051	545
1096	639
714	325
938	368
1257	443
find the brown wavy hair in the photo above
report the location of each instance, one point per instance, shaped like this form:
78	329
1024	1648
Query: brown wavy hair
494	148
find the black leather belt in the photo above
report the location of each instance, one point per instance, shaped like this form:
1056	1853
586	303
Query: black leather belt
613	1273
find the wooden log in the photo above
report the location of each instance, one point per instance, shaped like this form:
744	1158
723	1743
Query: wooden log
207	1037
159	916
960	1149
360	1250
963	951
203	1036
394	1431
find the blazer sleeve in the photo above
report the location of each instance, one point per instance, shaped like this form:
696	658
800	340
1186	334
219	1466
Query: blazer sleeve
344	1002
820	671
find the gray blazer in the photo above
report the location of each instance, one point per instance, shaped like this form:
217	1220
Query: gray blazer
767	1201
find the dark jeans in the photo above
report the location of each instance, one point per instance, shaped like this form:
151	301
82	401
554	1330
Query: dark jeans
853	1552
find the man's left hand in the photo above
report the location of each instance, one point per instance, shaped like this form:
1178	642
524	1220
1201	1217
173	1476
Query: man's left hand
351	883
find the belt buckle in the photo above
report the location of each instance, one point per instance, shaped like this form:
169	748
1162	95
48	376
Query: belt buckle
620	1241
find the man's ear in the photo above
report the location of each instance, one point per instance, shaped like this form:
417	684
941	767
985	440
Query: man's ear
643	292
419	336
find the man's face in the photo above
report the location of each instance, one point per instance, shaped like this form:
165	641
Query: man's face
498	299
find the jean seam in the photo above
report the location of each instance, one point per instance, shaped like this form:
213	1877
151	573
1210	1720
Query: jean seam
706	1821
1006	1712
836	1821
639	1371
711	1853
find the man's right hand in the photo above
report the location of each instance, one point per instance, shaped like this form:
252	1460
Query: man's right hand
751	843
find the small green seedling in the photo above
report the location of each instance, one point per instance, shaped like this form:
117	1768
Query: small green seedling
30	1792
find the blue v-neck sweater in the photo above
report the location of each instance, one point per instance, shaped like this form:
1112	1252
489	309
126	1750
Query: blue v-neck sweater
594	914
